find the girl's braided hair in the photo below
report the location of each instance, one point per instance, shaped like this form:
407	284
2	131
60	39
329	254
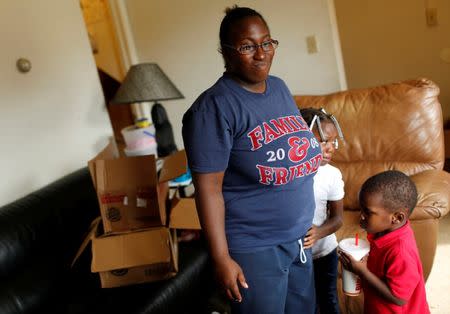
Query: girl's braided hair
314	117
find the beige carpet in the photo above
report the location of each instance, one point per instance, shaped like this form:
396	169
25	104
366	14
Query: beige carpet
438	283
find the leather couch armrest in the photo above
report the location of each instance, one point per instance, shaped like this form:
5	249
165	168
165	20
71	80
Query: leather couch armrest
433	187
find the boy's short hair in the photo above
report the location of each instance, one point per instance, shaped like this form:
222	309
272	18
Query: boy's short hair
397	189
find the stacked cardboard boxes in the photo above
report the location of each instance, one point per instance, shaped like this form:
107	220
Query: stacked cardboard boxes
133	241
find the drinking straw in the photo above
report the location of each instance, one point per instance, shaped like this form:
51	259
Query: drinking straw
356	239
148	133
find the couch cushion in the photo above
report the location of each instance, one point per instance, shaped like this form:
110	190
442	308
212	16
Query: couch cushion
50	220
39	235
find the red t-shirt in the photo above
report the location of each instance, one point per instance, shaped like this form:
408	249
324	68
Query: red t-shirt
394	258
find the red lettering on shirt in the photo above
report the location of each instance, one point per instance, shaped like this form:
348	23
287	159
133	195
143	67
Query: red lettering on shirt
294	127
299	148
270	134
298	120
281	126
306	168
256	137
282	176
267	132
265	174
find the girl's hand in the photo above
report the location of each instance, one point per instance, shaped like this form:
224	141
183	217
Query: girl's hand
311	237
349	263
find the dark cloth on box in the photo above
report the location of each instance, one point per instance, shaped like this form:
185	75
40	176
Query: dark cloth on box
163	131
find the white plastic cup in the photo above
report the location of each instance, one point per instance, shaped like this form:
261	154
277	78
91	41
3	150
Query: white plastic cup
351	283
151	149
138	138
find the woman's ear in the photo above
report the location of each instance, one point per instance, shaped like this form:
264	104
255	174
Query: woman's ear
225	56
398	217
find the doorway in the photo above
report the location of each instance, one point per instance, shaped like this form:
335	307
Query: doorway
108	58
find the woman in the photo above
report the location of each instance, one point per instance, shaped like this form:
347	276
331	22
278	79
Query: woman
253	159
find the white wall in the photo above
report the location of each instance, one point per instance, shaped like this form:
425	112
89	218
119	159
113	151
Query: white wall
385	41
53	118
183	37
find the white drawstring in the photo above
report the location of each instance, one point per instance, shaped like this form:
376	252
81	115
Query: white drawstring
302	252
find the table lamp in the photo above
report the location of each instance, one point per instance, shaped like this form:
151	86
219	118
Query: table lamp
145	82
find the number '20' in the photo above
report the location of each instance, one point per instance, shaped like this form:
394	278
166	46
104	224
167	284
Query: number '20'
274	156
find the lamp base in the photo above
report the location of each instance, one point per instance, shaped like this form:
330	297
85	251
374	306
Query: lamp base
141	111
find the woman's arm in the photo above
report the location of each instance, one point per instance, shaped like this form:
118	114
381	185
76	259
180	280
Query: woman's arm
331	225
211	211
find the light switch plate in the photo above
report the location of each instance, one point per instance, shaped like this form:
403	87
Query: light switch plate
431	14
311	44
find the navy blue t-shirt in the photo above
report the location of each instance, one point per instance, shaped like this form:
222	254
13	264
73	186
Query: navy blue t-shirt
269	157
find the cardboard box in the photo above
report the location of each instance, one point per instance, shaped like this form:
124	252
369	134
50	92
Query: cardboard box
132	242
140	256
183	214
131	194
131	257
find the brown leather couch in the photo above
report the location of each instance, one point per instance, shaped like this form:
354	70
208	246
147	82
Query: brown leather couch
394	126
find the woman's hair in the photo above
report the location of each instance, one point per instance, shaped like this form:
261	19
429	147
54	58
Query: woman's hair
396	188
233	15
314	117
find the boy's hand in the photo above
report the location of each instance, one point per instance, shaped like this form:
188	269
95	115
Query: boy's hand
311	237
360	269
349	263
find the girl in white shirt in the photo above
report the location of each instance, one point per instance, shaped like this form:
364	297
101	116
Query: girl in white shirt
329	194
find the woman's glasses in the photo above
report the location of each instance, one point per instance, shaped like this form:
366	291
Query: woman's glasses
266	46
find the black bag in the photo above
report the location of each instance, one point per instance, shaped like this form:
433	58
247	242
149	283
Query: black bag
163	131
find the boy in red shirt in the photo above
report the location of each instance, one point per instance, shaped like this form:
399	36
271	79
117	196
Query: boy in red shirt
392	273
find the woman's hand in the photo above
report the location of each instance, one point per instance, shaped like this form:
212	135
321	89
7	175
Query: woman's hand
349	263
230	275
311	237
331	224
211	211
